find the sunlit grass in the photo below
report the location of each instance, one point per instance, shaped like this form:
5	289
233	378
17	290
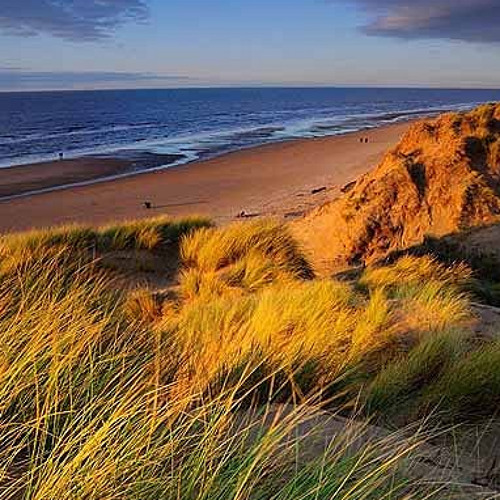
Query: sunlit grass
88	412
435	306
214	249
116	393
148	234
410	270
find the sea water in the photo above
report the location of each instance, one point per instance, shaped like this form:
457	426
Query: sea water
190	124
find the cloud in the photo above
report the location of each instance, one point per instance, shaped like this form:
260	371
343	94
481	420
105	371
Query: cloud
75	20
16	79
466	20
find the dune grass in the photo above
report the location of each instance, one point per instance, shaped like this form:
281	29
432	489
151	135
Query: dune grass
315	335
147	234
112	393
470	387
88	411
400	382
240	259
212	249
409	270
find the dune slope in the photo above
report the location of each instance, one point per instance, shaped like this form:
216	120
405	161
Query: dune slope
443	176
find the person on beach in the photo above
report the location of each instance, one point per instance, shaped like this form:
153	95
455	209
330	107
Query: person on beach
61	155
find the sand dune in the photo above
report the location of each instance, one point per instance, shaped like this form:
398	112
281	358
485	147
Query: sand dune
441	178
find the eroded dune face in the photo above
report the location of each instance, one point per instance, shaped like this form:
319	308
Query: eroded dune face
442	177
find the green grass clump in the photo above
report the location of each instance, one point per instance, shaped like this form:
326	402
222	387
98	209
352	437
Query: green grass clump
401	381
147	234
305	323
240	258
471	386
435	306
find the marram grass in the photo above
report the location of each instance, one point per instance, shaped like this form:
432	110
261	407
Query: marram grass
215	388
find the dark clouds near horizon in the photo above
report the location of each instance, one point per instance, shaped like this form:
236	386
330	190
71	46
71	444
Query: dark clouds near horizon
466	20
75	20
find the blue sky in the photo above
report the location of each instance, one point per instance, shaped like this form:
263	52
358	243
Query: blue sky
52	44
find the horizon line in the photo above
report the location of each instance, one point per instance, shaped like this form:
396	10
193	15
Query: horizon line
257	86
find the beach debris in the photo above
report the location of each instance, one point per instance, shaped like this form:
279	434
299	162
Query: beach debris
318	190
246	215
147	205
347	187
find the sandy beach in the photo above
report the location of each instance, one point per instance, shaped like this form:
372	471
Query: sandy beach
25	179
283	179
15	181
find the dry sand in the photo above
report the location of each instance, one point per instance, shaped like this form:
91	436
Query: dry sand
271	180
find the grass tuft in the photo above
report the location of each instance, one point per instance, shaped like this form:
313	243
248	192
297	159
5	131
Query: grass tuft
410	270
401	381
470	387
214	249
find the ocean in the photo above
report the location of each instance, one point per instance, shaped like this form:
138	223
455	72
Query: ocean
183	125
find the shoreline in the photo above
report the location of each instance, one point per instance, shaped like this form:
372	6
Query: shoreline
42	177
274	179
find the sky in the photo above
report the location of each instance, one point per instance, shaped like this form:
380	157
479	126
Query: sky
94	44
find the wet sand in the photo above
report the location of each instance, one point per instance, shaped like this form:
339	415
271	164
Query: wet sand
27	179
284	180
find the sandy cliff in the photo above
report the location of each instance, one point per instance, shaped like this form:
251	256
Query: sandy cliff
443	176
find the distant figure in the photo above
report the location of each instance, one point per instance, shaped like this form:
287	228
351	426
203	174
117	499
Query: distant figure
61	156
148	205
